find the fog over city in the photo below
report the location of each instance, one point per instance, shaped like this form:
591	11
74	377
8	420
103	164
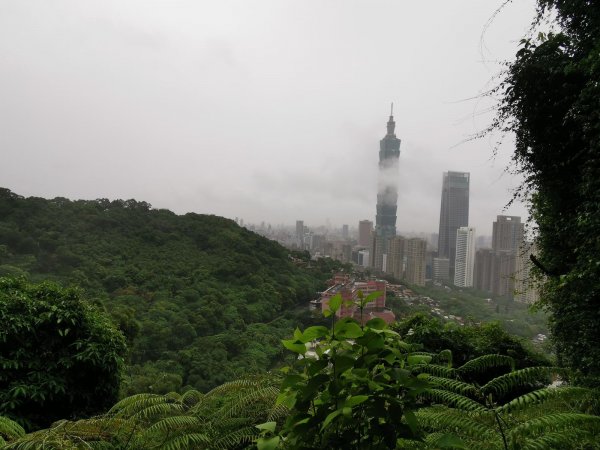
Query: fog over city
264	110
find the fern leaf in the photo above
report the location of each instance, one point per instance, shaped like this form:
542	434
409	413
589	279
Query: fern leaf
277	413
243	404
187	441
530	375
453	400
10	429
541	395
485	362
159	410
454	421
174	423
456	386
444	355
236	438
555	423
566	439
434	369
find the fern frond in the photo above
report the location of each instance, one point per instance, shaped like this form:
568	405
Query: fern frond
191	398
236	438
158	410
541	395
188	441
243	405
456	386
452	400
554	423
174	423
528	376
130	406
237	385
566	439
486	362
434	369
277	413
10	429
444	355
452	420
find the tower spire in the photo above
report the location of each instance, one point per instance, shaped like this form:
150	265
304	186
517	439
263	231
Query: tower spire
391	125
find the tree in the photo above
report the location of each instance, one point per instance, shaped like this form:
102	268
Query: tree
60	357
551	102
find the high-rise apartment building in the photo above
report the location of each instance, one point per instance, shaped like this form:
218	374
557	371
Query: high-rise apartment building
454	212
526	287
441	270
387	192
300	233
496	268
345	232
364	233
415	250
507	233
465	257
395	260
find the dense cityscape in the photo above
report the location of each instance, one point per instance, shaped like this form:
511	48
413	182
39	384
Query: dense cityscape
499	264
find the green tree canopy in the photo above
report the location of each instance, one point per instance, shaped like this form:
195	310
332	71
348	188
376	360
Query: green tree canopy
59	356
551	102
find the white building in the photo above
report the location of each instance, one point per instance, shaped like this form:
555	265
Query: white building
465	257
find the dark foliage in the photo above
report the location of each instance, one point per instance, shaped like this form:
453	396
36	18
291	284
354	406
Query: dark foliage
551	102
59	356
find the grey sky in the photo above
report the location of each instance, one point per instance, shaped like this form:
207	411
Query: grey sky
265	110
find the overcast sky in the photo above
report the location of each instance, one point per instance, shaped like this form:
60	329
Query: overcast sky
264	110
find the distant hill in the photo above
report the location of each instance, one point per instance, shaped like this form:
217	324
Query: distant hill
192	293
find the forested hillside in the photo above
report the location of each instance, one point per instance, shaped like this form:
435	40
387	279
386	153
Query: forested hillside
199	299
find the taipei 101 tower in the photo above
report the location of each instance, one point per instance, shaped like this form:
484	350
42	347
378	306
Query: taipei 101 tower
387	195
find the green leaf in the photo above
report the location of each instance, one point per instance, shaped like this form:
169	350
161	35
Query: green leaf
355	400
294	345
377	323
348	329
330	417
343	363
418	359
335	302
268	426
268	443
315	332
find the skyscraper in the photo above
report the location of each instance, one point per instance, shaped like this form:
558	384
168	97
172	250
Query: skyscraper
507	234
465	257
387	193
364	233
395	260
300	233
345	232
454	212
415	261
496	268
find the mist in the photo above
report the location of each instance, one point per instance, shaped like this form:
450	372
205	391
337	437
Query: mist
268	111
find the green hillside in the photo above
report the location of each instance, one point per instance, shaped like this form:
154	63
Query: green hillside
200	299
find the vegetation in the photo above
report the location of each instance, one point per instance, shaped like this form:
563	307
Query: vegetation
200	300
350	387
60	357
467	342
551	103
475	306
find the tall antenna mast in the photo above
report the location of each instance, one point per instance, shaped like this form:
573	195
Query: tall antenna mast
392	111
